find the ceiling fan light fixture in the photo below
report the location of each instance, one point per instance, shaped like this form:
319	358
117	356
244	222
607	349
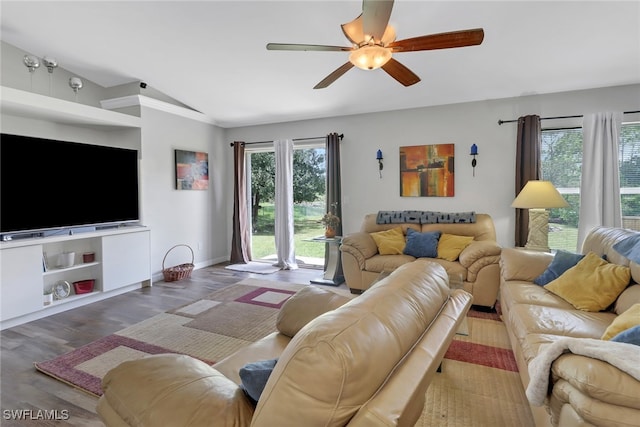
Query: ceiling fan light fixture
370	57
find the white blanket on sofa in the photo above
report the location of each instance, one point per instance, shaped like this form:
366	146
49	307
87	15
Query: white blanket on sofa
625	357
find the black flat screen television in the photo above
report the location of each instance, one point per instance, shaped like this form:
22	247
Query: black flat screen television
48	184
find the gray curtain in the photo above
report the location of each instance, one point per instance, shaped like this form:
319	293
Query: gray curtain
334	188
334	191
240	240
528	167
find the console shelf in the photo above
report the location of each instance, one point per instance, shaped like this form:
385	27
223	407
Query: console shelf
52	271
122	263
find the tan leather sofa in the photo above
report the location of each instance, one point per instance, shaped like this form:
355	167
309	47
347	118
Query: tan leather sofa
366	363
478	264
584	391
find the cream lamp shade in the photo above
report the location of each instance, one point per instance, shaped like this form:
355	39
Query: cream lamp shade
538	196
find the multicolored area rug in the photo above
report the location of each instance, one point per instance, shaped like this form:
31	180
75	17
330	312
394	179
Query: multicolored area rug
208	329
479	384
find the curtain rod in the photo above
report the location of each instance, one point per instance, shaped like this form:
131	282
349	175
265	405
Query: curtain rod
294	139
500	122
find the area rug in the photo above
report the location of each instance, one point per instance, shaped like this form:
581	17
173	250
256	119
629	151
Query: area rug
479	384
254	267
208	329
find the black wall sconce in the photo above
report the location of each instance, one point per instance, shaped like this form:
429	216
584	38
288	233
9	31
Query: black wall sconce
474	162
380	165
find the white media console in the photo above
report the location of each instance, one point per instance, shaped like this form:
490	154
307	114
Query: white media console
28	270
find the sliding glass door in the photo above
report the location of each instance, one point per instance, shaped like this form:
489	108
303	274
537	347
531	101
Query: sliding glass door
309	176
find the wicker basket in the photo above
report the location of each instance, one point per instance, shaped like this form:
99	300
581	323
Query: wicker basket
177	272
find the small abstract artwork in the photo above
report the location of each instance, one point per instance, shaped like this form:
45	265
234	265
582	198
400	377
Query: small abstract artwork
192	170
427	170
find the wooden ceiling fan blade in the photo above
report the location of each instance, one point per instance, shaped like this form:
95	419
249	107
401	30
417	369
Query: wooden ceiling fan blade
440	41
401	73
353	30
334	76
315	47
375	17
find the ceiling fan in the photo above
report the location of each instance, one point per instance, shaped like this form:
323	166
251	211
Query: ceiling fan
374	42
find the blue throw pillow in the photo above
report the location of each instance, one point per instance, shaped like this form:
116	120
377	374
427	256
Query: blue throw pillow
629	336
629	248
562	261
254	377
422	244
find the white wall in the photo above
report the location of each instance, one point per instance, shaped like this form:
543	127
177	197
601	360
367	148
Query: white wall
196	218
490	191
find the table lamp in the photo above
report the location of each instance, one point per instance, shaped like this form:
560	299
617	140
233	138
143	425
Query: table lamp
538	196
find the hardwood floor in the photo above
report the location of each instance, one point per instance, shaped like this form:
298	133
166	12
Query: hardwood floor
27	392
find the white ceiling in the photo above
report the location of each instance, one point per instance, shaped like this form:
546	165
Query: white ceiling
211	55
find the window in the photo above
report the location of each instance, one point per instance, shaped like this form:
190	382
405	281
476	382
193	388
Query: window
562	163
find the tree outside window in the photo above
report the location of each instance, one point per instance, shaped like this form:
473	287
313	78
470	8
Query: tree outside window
561	156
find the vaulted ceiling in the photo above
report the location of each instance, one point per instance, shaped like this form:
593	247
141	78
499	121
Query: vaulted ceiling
211	55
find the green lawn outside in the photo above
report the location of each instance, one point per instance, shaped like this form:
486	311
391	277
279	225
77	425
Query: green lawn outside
306	219
563	237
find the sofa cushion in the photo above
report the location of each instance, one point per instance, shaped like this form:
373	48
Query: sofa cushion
626	320
528	319
450	246
352	350
254	377
422	245
629	336
592	284
380	263
389	242
562	261
522	292
304	306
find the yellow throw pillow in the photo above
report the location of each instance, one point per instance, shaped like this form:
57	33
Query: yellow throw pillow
592	284
390	242
626	320
450	246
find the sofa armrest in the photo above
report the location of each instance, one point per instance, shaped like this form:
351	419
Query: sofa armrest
521	264
172	389
361	245
488	250
598	379
597	392
477	250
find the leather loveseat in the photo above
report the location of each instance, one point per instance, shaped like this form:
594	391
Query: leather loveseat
366	363
477	265
572	376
